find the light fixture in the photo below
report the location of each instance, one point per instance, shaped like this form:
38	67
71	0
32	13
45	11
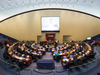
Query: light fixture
84	1
16	4
49	0
69	1
9	0
77	1
56	1
63	0
23	3
92	2
36	1
2	7
9	5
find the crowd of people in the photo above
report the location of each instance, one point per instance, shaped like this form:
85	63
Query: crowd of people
70	48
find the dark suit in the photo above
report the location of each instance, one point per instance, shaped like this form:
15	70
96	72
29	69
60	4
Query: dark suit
75	59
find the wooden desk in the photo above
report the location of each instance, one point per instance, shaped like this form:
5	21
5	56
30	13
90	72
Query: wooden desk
29	61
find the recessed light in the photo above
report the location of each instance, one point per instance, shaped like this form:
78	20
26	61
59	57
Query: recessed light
77	1
23	3
69	1
9	0
92	2
9	5
2	7
84	2
16	4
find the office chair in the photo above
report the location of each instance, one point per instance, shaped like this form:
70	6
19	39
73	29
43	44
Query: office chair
92	55
58	58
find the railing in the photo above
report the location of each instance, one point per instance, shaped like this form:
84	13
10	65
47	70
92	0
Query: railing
72	70
9	67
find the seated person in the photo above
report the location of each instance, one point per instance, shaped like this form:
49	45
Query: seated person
1	43
49	42
56	54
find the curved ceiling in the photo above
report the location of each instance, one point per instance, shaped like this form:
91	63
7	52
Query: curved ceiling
12	7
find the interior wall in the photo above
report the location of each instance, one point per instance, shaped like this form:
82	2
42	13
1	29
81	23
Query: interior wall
27	26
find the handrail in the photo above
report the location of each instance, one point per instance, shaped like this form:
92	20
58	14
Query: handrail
7	62
86	63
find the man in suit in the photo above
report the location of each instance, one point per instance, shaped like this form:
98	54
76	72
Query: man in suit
56	43
75	58
1	45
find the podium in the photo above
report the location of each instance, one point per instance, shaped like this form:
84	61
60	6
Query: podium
50	36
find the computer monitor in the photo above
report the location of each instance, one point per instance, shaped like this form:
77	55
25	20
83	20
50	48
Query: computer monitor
64	51
57	48
30	50
18	54
65	57
55	52
60	51
60	47
22	55
34	51
53	48
27	57
79	53
68	49
43	48
71	56
39	52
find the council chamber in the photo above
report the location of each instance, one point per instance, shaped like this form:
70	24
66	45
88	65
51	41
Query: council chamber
49	37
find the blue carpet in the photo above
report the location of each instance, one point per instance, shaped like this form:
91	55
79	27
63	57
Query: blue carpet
59	70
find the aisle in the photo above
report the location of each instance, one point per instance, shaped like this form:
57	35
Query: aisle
48	55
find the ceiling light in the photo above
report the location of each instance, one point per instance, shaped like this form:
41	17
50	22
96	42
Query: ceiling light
9	5
2	7
63	0
77	1
16	4
92	2
23	3
9	0
56	1
69	1
36	1
84	2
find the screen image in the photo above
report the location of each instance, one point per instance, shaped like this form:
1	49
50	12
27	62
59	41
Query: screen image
43	48
60	51
70	56
27	57
50	23
64	50
54	52
39	52
65	57
53	48
34	51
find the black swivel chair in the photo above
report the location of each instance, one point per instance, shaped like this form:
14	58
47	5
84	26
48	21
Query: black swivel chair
58	58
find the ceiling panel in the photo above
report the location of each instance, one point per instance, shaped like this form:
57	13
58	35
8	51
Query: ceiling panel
18	6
